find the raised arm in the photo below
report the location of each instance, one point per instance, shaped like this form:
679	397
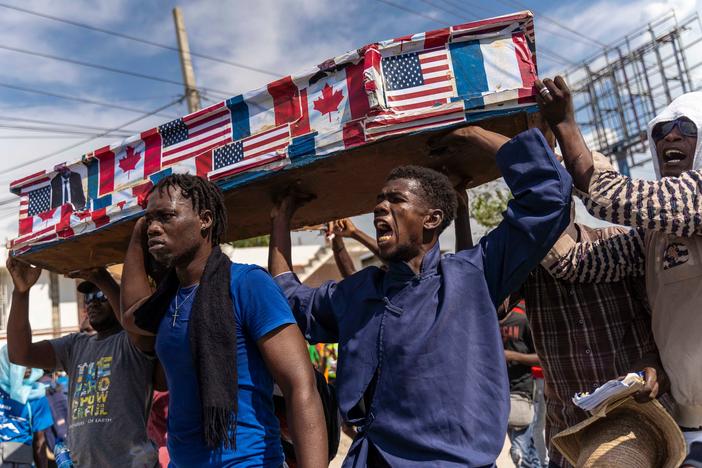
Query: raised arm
135	282
556	105
101	278
604	260
536	216
341	256
464	235
671	205
312	307
20	348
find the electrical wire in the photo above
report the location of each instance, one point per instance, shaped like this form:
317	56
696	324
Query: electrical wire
137	39
110	69
79	99
53	122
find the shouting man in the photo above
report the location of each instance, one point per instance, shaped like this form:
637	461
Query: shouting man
224	333
666	247
421	371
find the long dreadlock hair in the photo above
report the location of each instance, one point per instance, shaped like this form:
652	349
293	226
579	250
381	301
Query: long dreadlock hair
204	195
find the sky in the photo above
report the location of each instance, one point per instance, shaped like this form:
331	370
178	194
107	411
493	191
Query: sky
270	38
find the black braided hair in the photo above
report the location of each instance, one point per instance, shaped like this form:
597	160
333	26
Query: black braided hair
204	195
438	191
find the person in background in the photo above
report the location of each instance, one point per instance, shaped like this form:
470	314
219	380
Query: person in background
58	402
110	373
665	247
24	415
520	356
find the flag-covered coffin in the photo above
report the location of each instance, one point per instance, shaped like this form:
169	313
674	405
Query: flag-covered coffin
336	130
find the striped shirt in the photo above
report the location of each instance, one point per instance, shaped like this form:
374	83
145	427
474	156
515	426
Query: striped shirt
584	335
666	248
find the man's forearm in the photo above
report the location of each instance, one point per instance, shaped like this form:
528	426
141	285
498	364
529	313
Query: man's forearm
576	155
19	330
464	236
280	247
531	359
109	287
308	428
342	258
135	281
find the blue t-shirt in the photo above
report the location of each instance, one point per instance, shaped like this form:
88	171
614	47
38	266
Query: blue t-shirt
259	308
19	421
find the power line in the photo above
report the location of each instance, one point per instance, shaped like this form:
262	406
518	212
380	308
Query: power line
519	4
79	99
109	69
53	122
546	53
29	128
137	39
88	140
45	137
414	12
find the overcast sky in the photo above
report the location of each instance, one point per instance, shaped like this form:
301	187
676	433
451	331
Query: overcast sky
276	37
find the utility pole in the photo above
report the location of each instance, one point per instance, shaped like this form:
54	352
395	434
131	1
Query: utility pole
55	304
191	93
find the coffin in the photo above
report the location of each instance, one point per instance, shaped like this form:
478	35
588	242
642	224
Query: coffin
335	130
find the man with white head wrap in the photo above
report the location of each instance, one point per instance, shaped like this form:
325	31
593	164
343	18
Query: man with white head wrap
666	245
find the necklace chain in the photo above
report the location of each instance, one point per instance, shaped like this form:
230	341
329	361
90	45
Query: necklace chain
177	306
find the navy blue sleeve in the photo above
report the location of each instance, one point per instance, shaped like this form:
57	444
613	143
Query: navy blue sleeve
313	308
534	219
41	414
262	307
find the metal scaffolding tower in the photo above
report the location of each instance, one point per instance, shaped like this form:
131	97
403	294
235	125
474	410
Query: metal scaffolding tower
618	91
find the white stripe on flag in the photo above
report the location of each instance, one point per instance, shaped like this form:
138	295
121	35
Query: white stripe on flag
437	85
258	150
392	125
204	133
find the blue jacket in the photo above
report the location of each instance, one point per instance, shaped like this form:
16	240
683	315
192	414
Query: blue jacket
441	391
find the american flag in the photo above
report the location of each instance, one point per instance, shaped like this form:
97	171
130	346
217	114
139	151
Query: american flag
38	200
250	152
195	134
418	80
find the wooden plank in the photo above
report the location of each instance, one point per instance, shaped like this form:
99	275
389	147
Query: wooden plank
345	185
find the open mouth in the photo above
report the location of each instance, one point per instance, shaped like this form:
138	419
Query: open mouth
673	156
383	231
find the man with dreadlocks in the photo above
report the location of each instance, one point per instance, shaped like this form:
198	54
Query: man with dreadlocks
224	333
421	369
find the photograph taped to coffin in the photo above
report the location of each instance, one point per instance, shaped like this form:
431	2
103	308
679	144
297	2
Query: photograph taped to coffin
335	131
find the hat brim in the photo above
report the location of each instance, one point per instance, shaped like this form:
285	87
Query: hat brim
569	441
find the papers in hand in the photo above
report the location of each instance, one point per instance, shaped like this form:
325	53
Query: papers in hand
611	390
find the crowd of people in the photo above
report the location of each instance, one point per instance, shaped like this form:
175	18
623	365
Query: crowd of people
430	359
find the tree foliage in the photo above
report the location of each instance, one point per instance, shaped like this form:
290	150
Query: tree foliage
487	207
258	241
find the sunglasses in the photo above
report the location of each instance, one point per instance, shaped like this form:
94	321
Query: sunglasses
94	296
686	127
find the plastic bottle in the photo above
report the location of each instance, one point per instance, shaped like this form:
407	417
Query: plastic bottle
62	455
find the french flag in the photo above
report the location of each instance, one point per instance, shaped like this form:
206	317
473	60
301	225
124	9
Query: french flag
494	69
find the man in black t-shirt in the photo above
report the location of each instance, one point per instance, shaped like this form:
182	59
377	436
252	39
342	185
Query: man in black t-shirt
520	356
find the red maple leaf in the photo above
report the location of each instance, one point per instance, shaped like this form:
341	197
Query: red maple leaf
47	215
129	161
330	100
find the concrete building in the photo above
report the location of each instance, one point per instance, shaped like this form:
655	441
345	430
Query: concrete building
53	304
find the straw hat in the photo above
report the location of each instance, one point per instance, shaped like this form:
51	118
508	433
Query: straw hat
624	433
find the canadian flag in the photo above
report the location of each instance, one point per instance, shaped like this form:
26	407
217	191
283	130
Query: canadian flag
44	224
119	166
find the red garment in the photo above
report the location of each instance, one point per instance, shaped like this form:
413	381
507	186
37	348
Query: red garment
157	426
